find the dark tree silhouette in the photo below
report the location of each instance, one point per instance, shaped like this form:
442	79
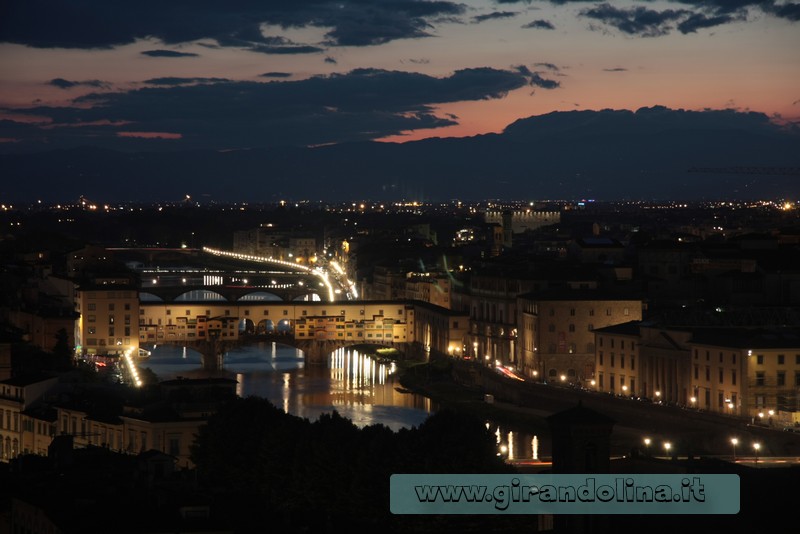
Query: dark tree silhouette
268	467
62	351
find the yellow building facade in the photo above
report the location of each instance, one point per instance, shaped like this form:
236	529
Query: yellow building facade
109	317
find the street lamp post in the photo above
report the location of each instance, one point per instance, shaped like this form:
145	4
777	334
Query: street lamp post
734	441
667	447
756	447
647	445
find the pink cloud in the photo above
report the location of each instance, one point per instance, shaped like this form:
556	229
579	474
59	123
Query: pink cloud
150	135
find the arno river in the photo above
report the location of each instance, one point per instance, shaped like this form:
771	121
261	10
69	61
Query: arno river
355	385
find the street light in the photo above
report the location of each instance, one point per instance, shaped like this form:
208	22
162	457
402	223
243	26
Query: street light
667	447
756	446
658	396
734	441
647	445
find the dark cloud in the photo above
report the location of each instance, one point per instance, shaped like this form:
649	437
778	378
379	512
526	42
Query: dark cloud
544	83
616	69
714	8
168	53
103	24
699	21
276	75
549	66
540	25
701	14
636	20
494	16
535	79
298	49
330	60
255	42
182	81
789	11
61	83
218	113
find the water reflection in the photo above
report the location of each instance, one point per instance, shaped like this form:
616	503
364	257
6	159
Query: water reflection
514	445
356	385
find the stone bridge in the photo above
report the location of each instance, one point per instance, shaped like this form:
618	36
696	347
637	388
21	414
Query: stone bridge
231	293
316	351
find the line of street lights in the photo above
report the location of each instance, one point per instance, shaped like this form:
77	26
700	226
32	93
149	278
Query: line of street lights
756	448
734	441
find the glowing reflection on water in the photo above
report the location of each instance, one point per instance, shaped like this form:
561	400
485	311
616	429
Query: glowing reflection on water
356	385
515	445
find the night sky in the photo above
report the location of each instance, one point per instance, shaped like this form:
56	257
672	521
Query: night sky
169	76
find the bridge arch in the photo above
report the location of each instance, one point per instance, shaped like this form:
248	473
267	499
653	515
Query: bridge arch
308	297
199	295
260	296
265	326
247	326
268	326
318	351
149	297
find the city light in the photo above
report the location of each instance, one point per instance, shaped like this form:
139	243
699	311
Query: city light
132	369
316	271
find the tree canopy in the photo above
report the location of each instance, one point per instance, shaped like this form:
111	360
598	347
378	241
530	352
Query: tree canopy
266	466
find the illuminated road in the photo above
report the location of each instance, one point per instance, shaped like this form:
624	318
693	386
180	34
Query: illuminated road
685	430
328	277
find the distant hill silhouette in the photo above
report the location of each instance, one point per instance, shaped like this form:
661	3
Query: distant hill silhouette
605	155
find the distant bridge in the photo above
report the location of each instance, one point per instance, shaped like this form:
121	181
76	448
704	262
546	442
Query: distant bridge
316	328
230	293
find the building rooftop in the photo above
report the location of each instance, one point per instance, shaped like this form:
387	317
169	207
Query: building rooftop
568	294
27	380
631	328
777	338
